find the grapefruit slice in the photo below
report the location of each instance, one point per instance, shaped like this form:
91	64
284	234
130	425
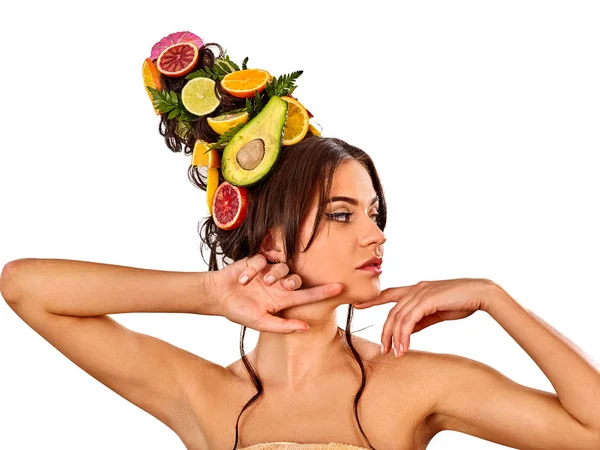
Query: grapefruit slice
174	38
178	59
230	206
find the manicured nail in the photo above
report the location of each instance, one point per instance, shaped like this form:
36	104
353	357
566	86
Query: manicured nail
382	349
244	279
395	352
270	279
291	283
401	348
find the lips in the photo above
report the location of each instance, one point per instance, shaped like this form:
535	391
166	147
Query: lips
372	262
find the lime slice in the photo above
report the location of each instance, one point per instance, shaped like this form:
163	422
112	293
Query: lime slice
198	96
221	124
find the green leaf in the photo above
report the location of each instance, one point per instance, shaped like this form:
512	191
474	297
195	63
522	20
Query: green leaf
283	85
170	102
258	101
244	63
249	108
235	66
219	70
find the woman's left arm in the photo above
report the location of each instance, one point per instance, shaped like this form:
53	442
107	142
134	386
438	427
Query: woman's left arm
477	399
573	376
483	402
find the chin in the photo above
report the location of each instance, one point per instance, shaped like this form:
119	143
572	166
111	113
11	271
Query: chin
364	293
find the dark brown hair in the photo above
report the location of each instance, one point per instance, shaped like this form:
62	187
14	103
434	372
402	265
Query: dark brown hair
282	199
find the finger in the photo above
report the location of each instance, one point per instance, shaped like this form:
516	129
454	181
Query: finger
293	278
254	264
276	324
418	308
393	294
388	326
276	271
426	321
398	322
313	294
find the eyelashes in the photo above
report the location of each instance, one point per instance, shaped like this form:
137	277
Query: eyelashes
334	216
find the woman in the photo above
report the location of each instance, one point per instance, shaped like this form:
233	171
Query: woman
321	386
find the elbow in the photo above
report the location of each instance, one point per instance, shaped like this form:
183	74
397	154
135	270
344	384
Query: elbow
7	281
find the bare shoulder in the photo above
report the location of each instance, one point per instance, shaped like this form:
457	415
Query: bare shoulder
441	376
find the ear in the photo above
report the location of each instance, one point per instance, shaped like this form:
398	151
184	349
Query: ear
272	246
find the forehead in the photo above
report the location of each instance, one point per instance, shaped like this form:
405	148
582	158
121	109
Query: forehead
352	179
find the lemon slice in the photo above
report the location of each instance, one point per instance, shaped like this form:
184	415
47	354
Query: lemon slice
224	122
314	130
198	96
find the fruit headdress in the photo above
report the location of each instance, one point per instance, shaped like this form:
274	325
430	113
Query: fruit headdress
251	114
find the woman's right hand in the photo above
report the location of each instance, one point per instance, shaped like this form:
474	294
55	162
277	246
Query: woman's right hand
254	303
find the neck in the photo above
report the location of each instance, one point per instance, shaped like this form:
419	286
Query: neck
288	361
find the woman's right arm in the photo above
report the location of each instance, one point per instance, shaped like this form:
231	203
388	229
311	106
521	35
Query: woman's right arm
68	304
84	289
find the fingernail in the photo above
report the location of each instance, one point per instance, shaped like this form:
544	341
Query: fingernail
244	279
395	352
291	283
270	279
382	348
401	348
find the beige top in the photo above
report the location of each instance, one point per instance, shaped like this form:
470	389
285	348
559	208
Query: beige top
295	446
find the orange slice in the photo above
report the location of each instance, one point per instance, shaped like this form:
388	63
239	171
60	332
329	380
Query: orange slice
296	124
151	78
243	83
212	159
211	187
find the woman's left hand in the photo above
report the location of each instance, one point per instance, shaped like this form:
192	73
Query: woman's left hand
426	303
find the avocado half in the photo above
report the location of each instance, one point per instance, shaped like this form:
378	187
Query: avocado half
253	151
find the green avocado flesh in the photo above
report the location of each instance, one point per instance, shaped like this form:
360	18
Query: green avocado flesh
253	151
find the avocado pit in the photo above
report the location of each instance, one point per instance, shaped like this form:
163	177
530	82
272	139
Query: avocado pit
251	154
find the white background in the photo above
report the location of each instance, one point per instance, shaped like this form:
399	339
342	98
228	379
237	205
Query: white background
482	118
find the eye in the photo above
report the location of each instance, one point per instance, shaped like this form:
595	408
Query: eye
336	215
347	215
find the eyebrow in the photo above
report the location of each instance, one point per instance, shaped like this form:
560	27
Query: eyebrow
352	201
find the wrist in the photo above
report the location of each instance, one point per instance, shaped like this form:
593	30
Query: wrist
495	298
209	293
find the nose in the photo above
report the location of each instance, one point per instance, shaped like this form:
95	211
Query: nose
374	238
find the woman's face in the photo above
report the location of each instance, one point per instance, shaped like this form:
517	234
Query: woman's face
347	238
